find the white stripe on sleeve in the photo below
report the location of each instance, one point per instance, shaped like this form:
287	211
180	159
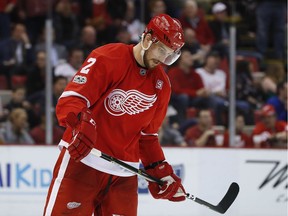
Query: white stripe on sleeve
151	134
73	93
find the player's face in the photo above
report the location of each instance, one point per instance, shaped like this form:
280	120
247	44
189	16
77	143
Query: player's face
59	86
186	58
156	54
240	123
19	95
270	121
213	62
21	120
205	118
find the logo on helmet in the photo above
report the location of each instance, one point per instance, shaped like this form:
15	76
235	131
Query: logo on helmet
162	23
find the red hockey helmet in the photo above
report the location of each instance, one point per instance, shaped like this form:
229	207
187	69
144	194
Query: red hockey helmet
169	31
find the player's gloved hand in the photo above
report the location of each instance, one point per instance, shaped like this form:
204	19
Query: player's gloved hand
84	133
172	189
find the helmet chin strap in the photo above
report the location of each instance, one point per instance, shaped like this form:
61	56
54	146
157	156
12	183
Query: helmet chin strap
144	48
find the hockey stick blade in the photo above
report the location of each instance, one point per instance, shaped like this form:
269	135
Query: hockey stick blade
229	198
225	203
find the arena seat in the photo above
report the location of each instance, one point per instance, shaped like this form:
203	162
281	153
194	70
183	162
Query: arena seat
3	82
18	80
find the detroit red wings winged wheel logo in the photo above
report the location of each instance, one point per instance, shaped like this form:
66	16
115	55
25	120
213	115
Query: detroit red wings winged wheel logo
130	102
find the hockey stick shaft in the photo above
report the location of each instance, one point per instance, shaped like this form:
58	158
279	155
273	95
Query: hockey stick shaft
128	167
222	207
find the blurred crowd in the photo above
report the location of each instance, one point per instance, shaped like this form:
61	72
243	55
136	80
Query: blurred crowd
198	110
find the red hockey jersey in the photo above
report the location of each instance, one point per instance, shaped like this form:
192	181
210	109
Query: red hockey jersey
128	103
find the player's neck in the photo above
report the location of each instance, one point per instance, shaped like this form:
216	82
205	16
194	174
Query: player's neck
137	55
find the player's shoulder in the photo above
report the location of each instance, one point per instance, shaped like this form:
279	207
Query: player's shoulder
113	50
113	55
174	71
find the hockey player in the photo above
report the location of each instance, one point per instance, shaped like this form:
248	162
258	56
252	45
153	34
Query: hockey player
116	103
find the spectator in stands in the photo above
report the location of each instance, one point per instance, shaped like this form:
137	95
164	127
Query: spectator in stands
134	26
279	101
270	132
38	99
37	74
68	69
220	28
241	138
14	131
116	12
246	92
187	86
271	17
202	134
88	40
195	48
6	7
84	10
18	100
3	112
58	51
274	74
33	14
95	13
193	18
246	11
38	133
65	24
168	135
124	36
214	80
15	52
155	7
245	89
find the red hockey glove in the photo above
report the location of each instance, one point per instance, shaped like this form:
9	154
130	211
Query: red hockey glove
172	189
84	134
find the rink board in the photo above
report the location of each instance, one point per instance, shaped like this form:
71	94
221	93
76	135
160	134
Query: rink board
26	171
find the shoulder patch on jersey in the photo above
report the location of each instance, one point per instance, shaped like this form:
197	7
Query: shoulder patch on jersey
131	102
79	79
159	84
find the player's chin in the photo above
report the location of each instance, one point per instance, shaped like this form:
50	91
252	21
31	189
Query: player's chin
153	63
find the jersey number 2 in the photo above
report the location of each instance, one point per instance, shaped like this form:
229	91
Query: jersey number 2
86	68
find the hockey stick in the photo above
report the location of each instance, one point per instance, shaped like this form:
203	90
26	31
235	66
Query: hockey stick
222	206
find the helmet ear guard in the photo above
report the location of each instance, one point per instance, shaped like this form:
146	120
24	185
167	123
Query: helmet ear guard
142	44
